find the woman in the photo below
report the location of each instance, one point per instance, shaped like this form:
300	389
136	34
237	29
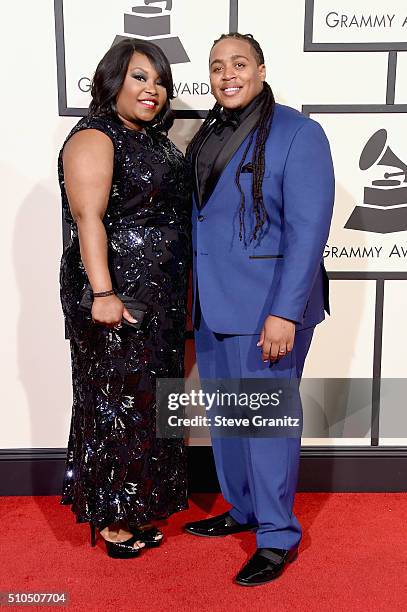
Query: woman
125	193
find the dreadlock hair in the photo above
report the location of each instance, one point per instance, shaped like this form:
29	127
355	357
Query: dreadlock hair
261	130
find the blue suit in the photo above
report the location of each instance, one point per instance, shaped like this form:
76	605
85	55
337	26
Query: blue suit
240	284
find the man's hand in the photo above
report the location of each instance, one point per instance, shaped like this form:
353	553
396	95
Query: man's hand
276	338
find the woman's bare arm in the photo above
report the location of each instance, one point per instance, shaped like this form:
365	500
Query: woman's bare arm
88	170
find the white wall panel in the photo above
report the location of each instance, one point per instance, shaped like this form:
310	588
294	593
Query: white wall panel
393	414
401	82
299	78
34	356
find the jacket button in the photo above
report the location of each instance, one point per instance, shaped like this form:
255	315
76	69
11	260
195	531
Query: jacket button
201	218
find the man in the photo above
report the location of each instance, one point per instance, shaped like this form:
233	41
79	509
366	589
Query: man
262	210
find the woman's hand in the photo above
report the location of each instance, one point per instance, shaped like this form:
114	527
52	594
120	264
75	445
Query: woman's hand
110	311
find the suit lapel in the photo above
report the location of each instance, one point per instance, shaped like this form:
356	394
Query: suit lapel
197	187
226	153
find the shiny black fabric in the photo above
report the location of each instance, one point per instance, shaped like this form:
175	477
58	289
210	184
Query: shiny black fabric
116	468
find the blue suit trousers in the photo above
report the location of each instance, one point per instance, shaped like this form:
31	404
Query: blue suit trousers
257	476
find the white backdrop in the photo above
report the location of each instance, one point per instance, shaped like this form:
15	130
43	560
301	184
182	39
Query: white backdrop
34	356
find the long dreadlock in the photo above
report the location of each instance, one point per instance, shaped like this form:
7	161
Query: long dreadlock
261	130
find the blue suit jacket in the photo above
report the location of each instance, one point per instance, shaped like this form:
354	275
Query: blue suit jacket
282	273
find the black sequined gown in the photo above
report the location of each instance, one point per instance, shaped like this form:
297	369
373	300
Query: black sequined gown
116	468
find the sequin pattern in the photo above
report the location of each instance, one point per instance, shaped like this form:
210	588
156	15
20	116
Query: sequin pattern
116	467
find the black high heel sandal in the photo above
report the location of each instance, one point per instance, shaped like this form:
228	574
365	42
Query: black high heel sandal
117	550
148	536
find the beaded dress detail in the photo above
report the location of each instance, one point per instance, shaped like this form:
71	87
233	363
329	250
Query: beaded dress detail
116	467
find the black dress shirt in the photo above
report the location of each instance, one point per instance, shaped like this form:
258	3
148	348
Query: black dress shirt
222	130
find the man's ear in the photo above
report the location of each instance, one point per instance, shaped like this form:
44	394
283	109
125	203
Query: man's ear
262	72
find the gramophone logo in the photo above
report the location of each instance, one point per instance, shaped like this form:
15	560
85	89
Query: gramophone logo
384	208
84	31
153	23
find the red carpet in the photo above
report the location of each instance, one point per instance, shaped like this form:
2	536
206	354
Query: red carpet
353	558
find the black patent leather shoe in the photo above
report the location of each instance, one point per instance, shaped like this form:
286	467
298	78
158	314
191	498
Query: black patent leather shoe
122	550
117	550
266	565
221	525
150	536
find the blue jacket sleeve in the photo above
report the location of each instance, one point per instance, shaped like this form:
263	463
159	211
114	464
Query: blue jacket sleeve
308	196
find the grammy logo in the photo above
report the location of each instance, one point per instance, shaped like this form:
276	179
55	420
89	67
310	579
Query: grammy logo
154	23
384	208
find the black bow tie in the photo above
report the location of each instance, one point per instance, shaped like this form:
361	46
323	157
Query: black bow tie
224	119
